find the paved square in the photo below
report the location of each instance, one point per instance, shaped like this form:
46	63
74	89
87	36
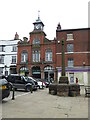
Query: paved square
40	104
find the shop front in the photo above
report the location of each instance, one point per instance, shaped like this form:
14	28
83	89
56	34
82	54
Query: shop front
49	73
36	72
24	71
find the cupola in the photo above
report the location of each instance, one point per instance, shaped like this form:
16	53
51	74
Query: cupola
38	24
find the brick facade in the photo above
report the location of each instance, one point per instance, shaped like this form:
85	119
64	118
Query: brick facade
44	45
79	55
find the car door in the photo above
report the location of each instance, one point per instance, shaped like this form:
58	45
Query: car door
19	83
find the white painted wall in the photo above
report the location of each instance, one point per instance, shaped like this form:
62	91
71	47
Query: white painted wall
8	53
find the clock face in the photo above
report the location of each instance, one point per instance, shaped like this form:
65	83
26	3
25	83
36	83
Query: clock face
38	26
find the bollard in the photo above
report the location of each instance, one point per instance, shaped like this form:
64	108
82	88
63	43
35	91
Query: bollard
31	89
13	93
42	83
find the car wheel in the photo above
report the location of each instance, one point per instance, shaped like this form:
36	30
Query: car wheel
28	88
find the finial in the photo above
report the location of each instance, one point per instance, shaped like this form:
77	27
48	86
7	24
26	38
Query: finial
38	14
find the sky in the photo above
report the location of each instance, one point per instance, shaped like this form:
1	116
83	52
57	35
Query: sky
19	15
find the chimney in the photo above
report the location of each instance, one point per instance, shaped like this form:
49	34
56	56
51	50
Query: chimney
16	36
58	26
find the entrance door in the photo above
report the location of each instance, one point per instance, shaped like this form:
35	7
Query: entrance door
36	72
71	77
49	73
46	75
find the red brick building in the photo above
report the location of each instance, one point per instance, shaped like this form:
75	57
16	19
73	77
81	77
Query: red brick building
41	57
36	56
76	53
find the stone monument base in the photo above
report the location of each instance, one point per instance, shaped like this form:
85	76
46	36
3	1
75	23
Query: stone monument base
62	89
53	89
63	79
65	89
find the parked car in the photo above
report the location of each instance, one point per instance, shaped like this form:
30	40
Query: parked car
4	88
40	83
33	82
19	82
46	83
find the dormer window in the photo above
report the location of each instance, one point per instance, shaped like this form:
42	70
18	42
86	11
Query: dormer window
36	41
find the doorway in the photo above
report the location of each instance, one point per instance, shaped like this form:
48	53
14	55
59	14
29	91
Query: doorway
49	73
36	72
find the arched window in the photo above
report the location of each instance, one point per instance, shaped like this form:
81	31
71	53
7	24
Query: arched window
36	41
24	71
48	55
24	56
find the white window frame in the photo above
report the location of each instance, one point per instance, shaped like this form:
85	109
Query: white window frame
36	55
68	49
24	56
48	56
14	59
70	36
14	48
70	62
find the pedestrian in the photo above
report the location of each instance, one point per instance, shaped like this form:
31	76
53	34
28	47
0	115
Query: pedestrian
76	80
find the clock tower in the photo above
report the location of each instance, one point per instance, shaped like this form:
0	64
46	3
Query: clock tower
38	24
